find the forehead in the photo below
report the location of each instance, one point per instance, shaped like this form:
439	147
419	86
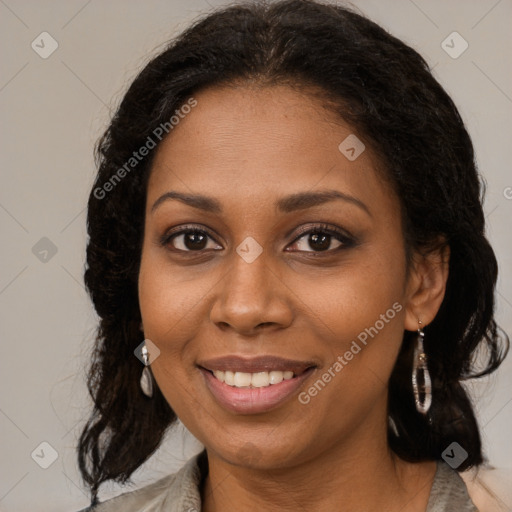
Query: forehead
262	143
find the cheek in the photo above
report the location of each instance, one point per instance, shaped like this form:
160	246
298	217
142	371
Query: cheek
166	296
358	293
165	304
162	308
364	311
172	304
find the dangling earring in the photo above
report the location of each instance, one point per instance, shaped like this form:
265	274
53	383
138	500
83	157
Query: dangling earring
421	383
146	379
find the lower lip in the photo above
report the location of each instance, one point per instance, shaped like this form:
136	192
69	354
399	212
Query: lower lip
253	400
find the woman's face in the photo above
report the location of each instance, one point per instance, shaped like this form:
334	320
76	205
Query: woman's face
255	294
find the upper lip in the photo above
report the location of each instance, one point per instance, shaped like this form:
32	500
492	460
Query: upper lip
256	364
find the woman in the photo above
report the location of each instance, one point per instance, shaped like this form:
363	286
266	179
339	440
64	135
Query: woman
286	229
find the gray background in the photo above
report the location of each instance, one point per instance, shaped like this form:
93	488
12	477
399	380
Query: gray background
54	109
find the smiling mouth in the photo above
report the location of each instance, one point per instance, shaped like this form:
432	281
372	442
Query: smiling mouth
254	385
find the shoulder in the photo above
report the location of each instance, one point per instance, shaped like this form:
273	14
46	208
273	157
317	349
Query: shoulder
150	496
170	493
490	488
449	492
482	489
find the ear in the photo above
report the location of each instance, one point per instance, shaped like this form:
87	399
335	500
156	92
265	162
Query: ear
426	286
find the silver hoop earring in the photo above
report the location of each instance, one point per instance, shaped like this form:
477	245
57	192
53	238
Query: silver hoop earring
146	379
421	383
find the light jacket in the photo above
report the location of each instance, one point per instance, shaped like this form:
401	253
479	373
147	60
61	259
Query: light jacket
180	492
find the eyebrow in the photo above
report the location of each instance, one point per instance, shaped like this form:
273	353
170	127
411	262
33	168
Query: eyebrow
291	203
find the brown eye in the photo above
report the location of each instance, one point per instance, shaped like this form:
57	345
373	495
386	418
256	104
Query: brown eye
189	240
317	242
322	239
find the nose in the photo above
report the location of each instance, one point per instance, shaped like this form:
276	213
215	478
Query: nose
252	298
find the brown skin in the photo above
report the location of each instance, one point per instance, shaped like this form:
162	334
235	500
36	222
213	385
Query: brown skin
247	147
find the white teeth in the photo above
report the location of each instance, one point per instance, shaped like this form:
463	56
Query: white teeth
242	380
260	379
220	375
276	377
256	380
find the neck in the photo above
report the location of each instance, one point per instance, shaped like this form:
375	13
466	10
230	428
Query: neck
363	476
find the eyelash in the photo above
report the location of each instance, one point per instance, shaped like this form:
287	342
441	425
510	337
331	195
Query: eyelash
346	240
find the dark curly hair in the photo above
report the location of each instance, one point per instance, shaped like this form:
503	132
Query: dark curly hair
382	88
